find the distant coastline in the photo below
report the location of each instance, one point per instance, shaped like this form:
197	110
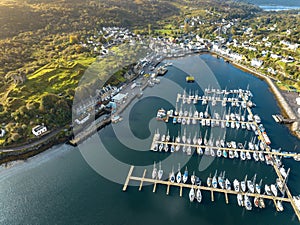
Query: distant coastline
278	7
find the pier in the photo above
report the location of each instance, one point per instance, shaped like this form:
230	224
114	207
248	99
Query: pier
262	148
226	192
283	154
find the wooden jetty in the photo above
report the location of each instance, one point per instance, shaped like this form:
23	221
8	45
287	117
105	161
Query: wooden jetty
226	192
283	154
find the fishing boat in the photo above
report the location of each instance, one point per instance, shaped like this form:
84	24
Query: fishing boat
185	175
154	171
268	189
214	182
236	185
274	190
193	178
192	194
209	180
160	172
240	199
198	194
256	201
247	202
178	175
172	176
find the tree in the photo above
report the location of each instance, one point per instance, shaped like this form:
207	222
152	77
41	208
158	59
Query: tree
186	28
74	39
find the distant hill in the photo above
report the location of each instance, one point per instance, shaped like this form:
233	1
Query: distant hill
274	2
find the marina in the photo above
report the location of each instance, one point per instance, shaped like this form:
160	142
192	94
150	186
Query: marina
219	147
102	196
213	190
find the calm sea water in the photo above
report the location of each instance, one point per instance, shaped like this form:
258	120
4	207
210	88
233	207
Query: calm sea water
60	187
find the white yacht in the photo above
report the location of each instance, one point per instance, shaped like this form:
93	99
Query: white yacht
240	199
208	181
214	181
274	190
160	172
236	185
192	194
178	175
198	195
185	175
247	202
154	171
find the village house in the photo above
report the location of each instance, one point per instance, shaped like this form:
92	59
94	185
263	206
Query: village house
39	130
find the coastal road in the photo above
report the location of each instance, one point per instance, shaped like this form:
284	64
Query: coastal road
32	144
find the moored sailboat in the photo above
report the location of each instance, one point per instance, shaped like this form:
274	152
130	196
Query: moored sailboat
185	175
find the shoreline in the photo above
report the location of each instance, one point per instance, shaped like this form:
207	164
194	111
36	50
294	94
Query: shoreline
284	106
26	153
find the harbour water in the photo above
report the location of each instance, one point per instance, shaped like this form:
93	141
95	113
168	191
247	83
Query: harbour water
60	187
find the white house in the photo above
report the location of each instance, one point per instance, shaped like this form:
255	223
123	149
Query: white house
119	98
256	62
2	132
39	130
